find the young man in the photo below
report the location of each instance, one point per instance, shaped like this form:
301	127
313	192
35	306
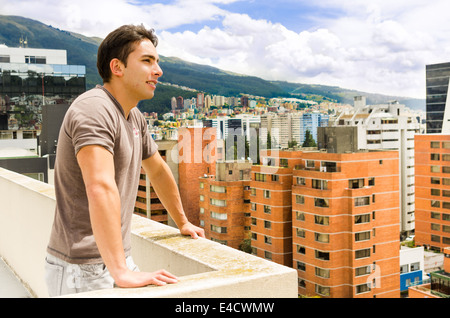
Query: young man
103	143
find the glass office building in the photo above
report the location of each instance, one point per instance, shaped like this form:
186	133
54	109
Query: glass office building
437	82
30	78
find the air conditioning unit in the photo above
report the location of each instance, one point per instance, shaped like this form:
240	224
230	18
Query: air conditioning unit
323	169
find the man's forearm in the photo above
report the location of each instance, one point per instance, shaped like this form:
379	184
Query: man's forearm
167	190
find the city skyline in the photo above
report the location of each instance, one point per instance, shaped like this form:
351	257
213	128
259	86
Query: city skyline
378	47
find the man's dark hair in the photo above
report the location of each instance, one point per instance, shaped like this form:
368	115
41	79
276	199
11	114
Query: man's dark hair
119	44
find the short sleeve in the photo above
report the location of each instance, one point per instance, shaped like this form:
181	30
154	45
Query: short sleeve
91	123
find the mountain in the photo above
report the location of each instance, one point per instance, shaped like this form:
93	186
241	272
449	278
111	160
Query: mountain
82	50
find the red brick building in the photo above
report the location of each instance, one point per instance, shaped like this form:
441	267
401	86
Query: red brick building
432	170
346	224
225	203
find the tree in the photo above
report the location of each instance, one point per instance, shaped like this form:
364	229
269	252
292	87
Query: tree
309	140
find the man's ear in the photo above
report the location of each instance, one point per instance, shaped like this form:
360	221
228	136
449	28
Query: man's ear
117	67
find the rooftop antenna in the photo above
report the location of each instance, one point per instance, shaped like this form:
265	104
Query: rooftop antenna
23	42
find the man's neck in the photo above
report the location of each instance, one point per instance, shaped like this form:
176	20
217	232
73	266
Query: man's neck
126	104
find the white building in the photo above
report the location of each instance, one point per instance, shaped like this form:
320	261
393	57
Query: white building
388	126
32	56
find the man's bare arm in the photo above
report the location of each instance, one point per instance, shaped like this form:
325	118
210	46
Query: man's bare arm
97	167
166	188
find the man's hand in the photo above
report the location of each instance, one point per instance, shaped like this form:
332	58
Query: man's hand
131	279
192	230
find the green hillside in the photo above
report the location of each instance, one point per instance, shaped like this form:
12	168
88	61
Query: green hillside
82	50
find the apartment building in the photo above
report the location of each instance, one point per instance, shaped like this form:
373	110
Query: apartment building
196	153
390	126
225	203
432	161
271	205
345	224
147	202
291	127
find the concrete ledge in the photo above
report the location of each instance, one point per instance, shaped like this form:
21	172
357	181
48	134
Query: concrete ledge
205	268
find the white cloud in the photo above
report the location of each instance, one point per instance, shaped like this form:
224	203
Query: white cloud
377	46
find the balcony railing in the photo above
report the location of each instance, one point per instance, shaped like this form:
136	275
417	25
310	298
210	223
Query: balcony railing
205	268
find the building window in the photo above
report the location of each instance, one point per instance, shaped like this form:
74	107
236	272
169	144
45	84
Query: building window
299	216
267	209
218	229
300	199
321	290
320	202
363	288
435	180
35	59
321	272
217	189
268	240
300	233
435	203
362	201
434	156
309	164
217	202
320	184
435	144
275	177
322	238
325	256
364	270
435	169
363	218
301	249
5	59
322	220
301	181
267	194
356	183
362	253
435	192
218	216
301	266
362	236
267	225
260	177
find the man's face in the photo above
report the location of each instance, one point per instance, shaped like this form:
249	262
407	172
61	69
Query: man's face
142	71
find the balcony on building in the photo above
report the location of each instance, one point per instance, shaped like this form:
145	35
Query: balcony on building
206	269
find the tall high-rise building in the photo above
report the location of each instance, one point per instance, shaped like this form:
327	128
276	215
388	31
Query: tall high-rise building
432	191
197	151
346	224
271	205
437	84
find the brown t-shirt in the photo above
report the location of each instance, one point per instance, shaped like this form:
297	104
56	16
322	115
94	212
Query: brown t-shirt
95	118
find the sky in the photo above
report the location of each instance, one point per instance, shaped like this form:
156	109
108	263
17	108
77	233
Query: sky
380	46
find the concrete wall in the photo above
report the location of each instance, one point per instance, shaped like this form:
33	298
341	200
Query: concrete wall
206	268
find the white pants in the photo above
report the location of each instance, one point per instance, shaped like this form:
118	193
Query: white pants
63	278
